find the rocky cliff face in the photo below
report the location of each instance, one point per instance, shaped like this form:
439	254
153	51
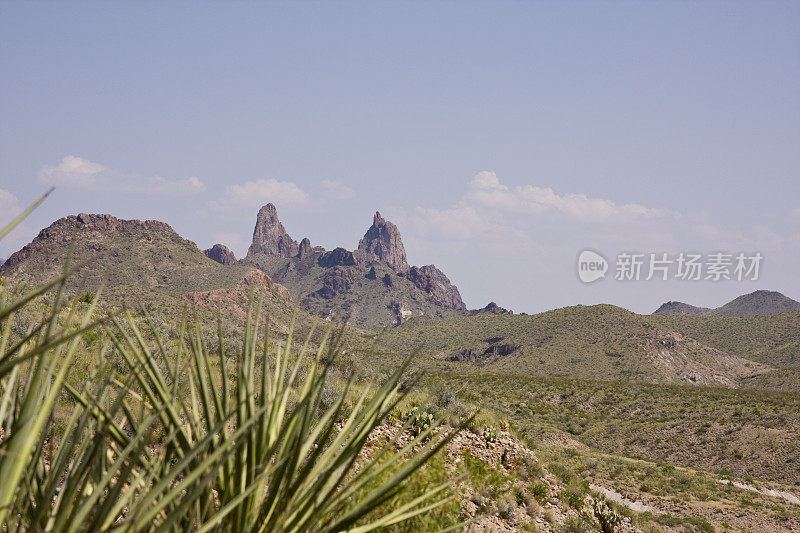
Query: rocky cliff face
382	243
305	249
433	281
337	257
270	237
221	254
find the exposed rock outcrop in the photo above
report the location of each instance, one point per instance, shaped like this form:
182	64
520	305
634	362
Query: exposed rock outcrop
383	243
340	280
337	280
492	309
433	281
221	254
304	250
400	312
270	237
337	257
255	281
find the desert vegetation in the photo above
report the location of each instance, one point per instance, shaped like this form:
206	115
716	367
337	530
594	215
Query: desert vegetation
161	390
171	434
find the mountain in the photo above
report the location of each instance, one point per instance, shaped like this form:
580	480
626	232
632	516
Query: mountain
600	342
141	262
373	286
757	303
681	309
382	244
269	236
753	304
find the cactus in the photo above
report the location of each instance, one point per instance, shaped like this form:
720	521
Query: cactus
608	517
420	421
490	434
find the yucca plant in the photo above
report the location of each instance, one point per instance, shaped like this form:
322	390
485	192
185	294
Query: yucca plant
178	442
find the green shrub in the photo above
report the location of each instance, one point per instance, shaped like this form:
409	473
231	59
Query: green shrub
541	491
86	298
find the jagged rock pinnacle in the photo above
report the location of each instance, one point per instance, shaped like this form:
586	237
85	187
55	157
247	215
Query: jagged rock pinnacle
382	243
270	237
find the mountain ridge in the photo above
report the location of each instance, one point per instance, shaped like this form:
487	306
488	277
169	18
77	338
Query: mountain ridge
760	302
140	263
373	285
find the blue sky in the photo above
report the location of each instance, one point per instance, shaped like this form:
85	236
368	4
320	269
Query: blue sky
502	138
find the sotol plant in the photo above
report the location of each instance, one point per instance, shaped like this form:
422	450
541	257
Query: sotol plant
177	442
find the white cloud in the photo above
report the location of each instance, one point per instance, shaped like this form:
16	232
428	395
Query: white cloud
796	212
492	212
79	173
486	190
336	190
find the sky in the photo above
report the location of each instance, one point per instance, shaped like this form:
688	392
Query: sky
503	138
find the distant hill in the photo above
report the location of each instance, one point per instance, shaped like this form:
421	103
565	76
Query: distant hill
757	303
143	263
680	308
373	285
600	342
753	304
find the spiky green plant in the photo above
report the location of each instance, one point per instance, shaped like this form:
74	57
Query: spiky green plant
179	442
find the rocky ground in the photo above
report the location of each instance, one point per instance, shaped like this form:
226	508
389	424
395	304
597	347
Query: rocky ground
513	461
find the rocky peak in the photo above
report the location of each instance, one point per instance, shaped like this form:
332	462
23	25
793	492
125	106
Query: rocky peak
270	237
304	249
221	254
382	243
337	257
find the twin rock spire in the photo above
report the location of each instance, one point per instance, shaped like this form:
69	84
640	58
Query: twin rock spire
382	242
